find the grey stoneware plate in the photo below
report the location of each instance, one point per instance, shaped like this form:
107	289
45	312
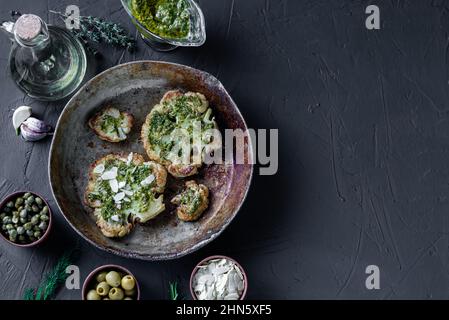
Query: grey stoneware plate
136	87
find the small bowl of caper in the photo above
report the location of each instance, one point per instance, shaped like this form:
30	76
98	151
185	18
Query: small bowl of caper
25	219
111	282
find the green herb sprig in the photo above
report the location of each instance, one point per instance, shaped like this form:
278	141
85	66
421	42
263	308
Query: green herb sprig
173	291
48	286
99	30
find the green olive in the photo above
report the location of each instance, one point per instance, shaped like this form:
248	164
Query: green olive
101	277
130	293
116	294
103	288
128	282
113	279
92	295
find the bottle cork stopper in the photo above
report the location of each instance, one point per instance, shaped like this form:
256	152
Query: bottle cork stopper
28	26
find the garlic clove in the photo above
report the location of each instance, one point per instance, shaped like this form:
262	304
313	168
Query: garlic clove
20	115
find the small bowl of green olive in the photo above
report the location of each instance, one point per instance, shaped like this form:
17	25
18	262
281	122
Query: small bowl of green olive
25	219
111	282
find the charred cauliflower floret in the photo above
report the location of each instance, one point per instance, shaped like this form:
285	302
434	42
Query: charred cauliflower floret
124	190
192	201
111	125
177	132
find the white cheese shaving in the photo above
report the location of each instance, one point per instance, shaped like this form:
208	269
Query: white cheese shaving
119	196
114	185
121	184
99	169
147	181
128	192
110	174
218	279
130	158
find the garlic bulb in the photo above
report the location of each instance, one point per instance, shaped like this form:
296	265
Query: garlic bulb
33	129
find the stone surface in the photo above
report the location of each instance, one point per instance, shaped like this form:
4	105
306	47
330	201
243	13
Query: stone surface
363	122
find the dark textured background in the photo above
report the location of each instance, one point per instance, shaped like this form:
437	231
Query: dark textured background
363	120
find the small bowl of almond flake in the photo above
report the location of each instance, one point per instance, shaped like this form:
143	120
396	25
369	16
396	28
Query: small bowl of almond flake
218	278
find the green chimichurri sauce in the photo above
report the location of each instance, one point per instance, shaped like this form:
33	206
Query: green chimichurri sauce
166	18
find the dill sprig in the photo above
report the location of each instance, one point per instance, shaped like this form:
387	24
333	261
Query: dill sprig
48	286
99	30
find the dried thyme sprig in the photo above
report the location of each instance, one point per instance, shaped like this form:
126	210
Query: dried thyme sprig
99	30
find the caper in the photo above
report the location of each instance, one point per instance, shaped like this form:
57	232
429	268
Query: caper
7	210
7	220
2	215
30	199
128	282
32	239
43	225
26	195
19	202
35	208
28	226
38	201
36	228
113	279
44	217
20	230
30	233
101	277
35	219
116	294
9	226
28	208
92	295
10	204
23	220
103	288
21	238
12	233
15	219
23	213
44	210
37	234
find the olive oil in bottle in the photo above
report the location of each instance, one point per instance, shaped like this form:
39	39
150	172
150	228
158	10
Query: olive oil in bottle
46	62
